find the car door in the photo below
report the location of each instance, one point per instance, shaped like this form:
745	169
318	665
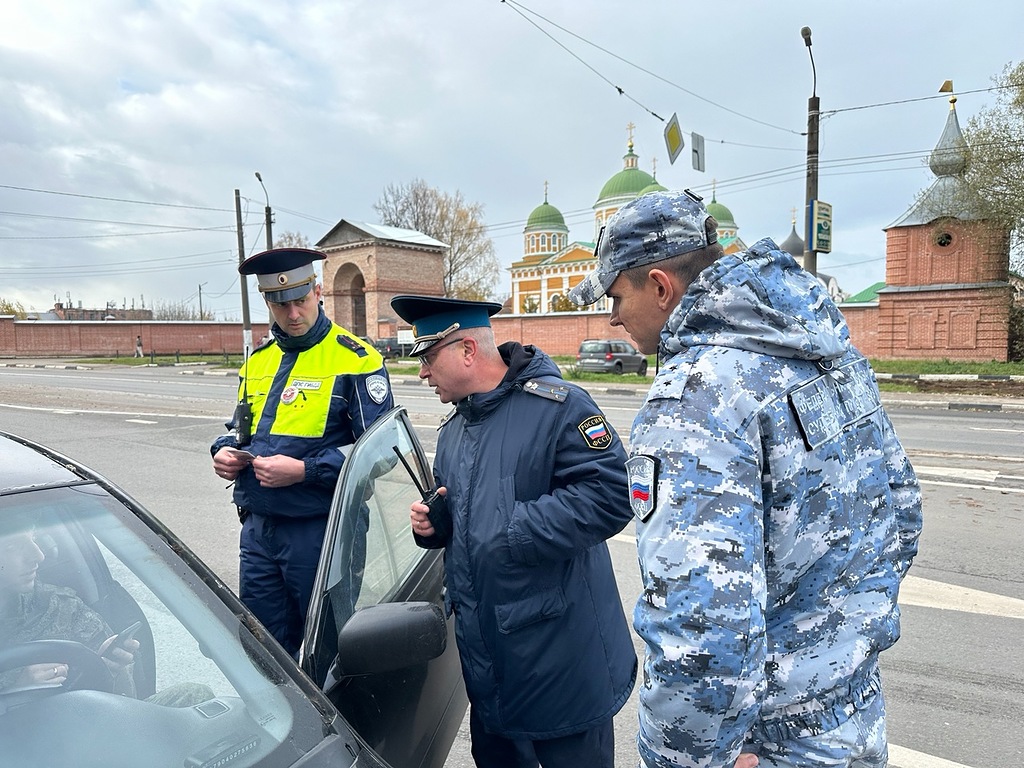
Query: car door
409	709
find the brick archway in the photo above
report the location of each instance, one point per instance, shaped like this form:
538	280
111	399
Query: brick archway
348	291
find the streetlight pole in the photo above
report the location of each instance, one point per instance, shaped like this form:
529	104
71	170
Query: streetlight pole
201	300
246	325
813	113
266	212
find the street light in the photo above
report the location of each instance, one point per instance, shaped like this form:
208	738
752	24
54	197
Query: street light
201	300
266	212
813	113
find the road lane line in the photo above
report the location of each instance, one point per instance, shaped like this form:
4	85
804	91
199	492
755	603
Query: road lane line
901	757
926	593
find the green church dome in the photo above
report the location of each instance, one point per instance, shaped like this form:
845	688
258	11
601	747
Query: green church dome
722	214
546	216
655	187
630	182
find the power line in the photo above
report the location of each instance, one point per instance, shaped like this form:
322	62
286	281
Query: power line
516	6
115	199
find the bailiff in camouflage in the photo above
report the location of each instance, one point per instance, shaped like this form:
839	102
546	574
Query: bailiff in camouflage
777	514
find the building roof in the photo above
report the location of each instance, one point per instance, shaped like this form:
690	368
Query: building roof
546	217
948	196
868	295
722	214
794	244
348	232
628	183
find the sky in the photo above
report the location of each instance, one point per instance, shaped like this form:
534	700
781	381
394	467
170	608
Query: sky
126	126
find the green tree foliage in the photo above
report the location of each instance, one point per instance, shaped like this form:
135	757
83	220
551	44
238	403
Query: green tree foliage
995	173
8	307
470	264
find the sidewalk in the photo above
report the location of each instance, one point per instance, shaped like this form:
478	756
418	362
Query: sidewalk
632	386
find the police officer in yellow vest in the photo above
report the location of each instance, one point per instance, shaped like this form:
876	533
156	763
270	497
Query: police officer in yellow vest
312	390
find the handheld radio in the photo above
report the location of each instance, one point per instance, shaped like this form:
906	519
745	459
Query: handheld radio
243	411
438	513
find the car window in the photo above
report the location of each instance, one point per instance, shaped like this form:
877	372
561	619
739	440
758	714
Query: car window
371	549
199	684
593	347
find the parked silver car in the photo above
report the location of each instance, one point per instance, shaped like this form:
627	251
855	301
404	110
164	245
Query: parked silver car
611	356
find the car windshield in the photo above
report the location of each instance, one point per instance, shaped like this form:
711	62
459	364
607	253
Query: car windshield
593	347
76	567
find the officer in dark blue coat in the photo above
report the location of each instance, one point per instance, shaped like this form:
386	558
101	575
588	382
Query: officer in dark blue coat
309	392
534	482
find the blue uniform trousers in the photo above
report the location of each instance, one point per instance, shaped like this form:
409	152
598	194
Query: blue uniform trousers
594	748
278	561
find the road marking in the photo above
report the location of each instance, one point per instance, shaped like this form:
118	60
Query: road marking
112	413
141	421
901	757
926	593
979	475
973	486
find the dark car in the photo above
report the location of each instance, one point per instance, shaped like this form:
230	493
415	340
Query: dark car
377	681
388	347
610	356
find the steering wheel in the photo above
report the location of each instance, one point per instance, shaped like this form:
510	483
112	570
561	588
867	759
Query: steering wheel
86	667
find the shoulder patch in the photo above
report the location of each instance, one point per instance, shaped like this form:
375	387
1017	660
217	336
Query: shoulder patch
349	343
447	417
556	392
377	388
595	432
642	471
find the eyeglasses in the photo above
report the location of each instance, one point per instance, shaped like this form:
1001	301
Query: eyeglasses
428	359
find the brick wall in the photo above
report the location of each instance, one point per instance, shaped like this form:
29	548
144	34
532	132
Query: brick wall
55	338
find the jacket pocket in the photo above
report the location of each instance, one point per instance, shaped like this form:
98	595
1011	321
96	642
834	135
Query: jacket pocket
522	613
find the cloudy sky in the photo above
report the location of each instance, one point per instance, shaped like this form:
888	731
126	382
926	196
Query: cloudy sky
126	126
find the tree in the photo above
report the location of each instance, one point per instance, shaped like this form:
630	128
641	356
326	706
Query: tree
995	173
291	240
16	308
470	264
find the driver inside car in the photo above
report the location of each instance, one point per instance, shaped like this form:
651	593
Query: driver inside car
32	610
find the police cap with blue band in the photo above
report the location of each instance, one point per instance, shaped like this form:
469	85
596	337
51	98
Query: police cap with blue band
283	274
648	229
433	318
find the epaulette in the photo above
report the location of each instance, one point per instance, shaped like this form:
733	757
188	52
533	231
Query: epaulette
349	343
448	417
556	392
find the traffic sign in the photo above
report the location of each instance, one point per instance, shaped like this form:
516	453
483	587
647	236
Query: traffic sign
673	138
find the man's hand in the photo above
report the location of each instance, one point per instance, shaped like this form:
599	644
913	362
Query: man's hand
418	515
278	471
227	463
37	675
746	760
119	657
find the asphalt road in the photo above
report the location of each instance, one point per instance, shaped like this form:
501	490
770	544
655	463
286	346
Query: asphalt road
954	682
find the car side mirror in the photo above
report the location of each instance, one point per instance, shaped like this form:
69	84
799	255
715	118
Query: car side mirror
388	637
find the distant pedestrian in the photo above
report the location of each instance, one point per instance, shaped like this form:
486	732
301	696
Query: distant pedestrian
138	346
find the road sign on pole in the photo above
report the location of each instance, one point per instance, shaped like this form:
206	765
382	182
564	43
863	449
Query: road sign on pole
697	147
673	138
821	226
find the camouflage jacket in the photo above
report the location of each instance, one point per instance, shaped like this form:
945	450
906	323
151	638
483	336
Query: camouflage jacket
778	511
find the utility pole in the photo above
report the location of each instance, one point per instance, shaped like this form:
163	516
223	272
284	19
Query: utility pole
201	300
813	114
266	213
246	325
